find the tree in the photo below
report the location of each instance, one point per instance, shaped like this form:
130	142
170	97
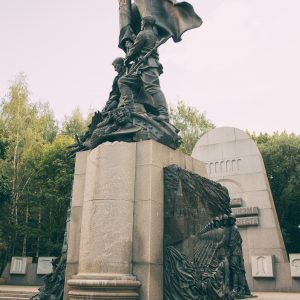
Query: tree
281	155
191	123
25	127
74	124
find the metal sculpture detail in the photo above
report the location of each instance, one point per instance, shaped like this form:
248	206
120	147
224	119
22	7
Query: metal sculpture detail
137	108
203	256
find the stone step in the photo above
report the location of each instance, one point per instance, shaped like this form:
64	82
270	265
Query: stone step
10	292
16	294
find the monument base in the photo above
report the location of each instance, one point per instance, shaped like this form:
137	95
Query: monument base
116	224
111	287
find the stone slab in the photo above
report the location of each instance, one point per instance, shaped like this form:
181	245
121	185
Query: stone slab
295	265
277	296
245	211
236	202
262	266
45	265
19	265
247	221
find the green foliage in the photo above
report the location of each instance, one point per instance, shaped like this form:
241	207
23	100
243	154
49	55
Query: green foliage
75	124
281	155
191	123
35	177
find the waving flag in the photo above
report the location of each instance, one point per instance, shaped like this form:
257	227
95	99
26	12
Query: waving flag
172	18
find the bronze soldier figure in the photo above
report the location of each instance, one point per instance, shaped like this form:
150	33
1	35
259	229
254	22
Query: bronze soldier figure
114	96
147	76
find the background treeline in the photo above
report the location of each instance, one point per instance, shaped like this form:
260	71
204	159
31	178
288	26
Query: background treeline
36	173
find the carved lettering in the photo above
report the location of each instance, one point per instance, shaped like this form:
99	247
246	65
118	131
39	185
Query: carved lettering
247	221
236	202
245	211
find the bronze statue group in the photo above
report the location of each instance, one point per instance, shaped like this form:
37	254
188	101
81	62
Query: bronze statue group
214	271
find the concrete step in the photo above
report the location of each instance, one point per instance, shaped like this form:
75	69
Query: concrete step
17	294
10	292
13	298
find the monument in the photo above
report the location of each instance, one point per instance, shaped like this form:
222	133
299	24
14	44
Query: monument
145	221
233	160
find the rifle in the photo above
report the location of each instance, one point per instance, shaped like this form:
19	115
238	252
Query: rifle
136	67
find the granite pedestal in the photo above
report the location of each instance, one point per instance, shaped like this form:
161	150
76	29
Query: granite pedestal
115	244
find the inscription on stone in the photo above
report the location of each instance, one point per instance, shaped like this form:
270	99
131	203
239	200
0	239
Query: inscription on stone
236	202
295	265
247	221
19	265
44	265
245	211
262	266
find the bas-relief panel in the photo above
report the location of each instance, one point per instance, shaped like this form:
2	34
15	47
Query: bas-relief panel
262	266
19	265
295	265
45	265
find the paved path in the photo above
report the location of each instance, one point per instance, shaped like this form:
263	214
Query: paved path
277	296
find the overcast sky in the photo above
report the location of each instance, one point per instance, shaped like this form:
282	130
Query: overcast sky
241	66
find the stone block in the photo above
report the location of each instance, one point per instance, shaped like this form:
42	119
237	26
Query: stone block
276	253
149	183
106	237
264	284
295	265
200	168
81	160
177	158
245	211
215	153
252	182
19	265
152	152
151	276
229	150
241	135
267	218
283	276
74	235
78	190
107	178
189	163
236	202
263	238
44	265
148	232
250	164
247	221
262	266
246	147
71	269
221	135
258	198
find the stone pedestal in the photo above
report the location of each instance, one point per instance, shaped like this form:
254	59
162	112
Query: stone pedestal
115	248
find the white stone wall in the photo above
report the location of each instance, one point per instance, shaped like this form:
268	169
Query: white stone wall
233	159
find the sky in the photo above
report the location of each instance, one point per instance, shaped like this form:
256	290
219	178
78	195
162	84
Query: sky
241	66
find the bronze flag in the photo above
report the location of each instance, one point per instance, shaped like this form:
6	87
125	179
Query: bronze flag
172	18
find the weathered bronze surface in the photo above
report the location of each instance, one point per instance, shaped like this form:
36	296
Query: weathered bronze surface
203	256
137	108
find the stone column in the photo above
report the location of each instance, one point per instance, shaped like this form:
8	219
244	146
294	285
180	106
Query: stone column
120	222
105	255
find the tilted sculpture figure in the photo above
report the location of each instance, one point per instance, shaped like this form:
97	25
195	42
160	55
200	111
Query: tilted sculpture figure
147	75
114	95
240	288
